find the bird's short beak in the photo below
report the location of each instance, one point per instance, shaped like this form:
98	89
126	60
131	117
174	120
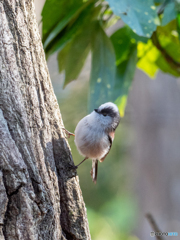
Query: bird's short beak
96	110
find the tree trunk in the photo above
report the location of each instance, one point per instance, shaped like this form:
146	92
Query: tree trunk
40	197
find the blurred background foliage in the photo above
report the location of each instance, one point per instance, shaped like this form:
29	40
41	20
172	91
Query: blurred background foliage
74	28
145	35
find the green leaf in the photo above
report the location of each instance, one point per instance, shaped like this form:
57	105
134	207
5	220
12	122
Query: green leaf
161	5
123	80
62	56
71	31
72	14
166	56
121	41
140	15
169	30
169	13
168	38
60	25
177	5
60	43
102	70
77	54
178	24
165	67
54	11
136	38
125	49
171	48
158	1
148	54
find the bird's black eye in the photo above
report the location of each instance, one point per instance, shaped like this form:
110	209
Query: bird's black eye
104	114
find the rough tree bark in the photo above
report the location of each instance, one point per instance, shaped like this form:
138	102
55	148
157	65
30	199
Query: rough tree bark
40	197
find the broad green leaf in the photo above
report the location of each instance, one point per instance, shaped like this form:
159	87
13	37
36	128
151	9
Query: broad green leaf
61	24
54	11
60	43
77	54
123	80
177	6
70	31
136	38
121	41
151	58
171	48
148	54
80	47
161	5
102	69
163	2
169	30
178	23
168	38
62	56
126	60
159	1
169	13
73	70
165	67
140	15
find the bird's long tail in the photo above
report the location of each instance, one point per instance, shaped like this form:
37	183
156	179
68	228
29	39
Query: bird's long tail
94	170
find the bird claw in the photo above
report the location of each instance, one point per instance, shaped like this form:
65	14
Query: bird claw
68	134
72	166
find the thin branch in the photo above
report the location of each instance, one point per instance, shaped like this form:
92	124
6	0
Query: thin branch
154	225
174	64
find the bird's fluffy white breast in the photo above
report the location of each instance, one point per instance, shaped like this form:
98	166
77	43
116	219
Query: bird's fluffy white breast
90	138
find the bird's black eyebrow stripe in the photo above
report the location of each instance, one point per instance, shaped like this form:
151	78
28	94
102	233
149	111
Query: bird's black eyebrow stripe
109	111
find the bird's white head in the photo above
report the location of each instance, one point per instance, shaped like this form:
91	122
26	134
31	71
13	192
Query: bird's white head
107	115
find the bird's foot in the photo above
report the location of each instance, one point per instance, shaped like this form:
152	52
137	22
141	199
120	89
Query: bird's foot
72	166
68	134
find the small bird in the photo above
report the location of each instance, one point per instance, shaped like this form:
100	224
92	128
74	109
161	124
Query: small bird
94	134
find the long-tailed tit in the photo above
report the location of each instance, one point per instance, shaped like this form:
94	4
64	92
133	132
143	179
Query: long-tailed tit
94	134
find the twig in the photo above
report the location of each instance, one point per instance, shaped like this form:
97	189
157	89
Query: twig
154	225
174	64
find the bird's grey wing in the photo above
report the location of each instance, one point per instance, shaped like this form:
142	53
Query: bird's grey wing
94	170
110	144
